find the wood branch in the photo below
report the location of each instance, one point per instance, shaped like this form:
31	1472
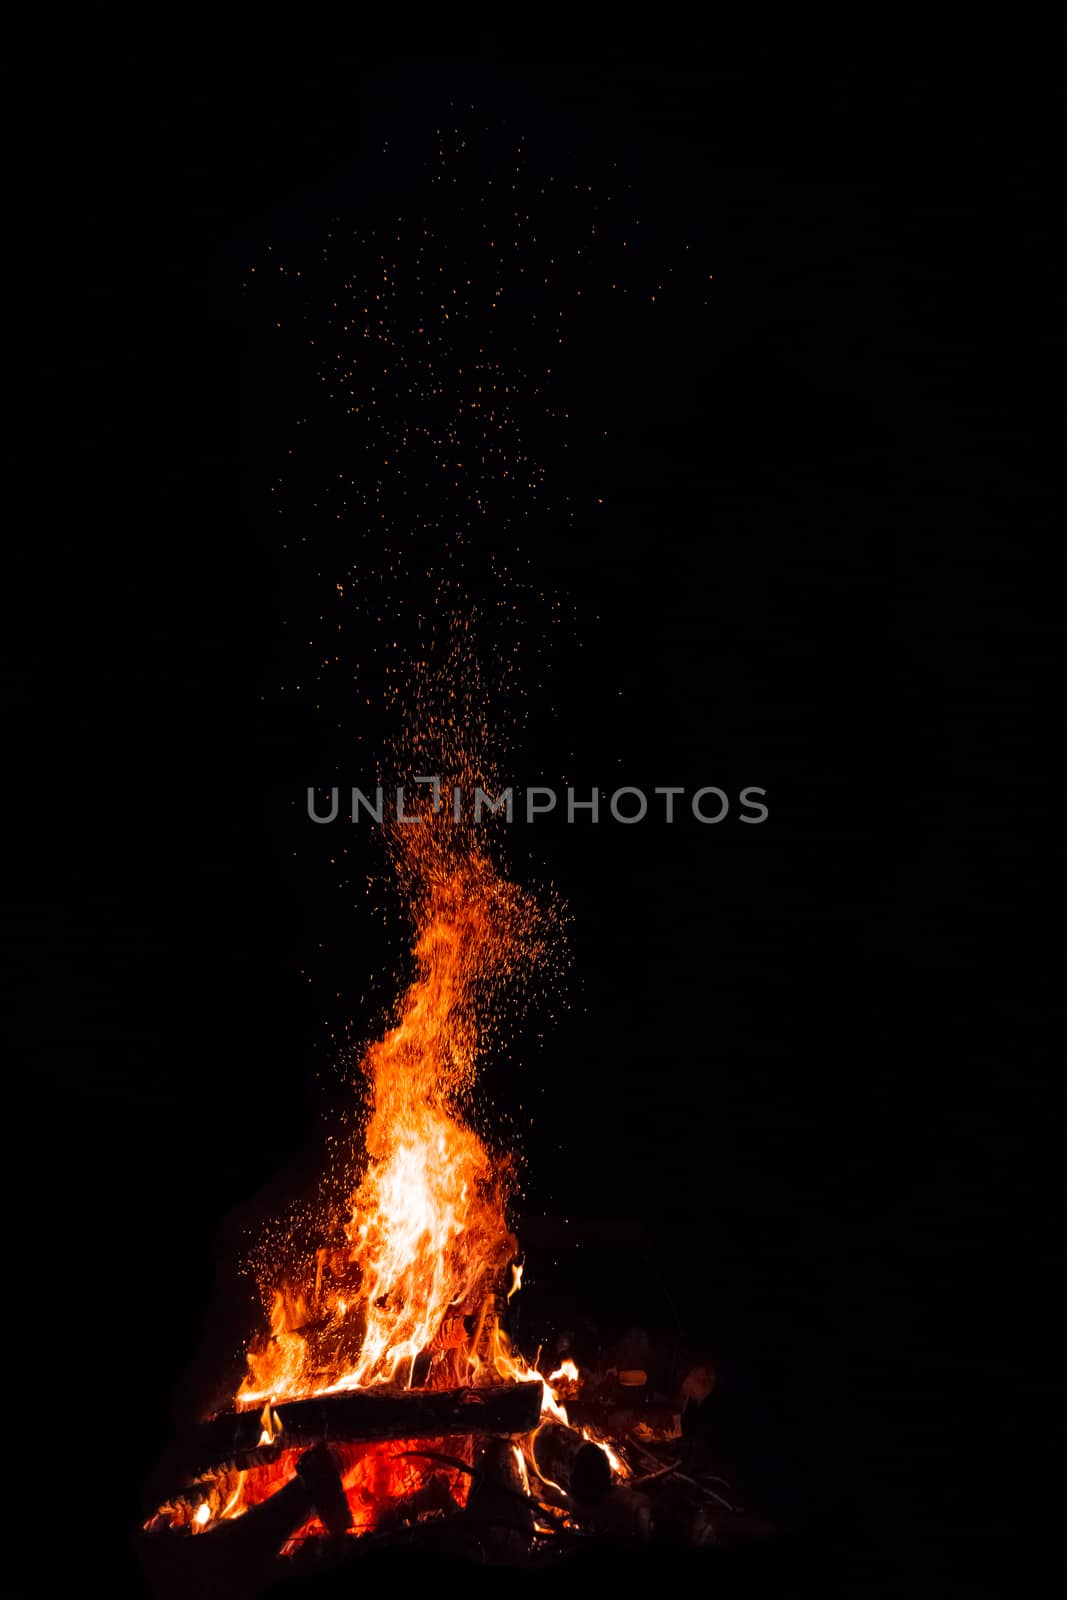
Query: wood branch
672	1471
364	1416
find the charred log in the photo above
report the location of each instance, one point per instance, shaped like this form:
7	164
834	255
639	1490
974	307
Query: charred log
577	1465
235	1559
501	1503
623	1515
364	1416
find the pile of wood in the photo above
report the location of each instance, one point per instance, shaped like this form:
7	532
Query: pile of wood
534	1490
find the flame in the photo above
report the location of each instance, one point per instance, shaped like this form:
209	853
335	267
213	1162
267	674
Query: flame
520	1464
618	1465
272	1425
426	1240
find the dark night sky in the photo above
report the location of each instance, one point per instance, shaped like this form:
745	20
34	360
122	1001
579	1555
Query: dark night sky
812	1059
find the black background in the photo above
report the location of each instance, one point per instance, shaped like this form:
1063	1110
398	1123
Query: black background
812	1059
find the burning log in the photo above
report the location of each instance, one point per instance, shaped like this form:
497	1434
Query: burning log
614	1511
574	1464
500	1502
318	1472
365	1416
236	1558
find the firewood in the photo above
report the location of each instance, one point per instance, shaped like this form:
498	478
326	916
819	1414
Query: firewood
317	1469
621	1514
236	1558
499	1501
364	1416
577	1465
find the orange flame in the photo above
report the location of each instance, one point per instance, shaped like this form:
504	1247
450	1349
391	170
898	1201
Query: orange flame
426	1244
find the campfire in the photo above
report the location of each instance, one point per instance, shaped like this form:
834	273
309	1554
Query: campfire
387	1401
